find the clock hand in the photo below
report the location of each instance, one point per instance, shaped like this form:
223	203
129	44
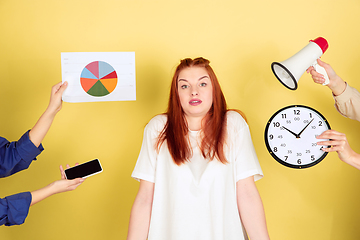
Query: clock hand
291	132
305	127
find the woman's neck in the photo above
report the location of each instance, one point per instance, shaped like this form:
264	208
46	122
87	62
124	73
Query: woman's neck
194	123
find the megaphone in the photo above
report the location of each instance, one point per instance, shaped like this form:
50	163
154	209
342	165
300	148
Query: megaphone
288	72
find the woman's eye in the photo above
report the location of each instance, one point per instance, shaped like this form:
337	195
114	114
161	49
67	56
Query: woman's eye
184	86
203	84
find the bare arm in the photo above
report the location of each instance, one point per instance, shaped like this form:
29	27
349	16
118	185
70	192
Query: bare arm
59	186
251	209
141	212
38	132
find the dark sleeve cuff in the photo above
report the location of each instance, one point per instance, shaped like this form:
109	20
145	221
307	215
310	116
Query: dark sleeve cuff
15	208
26	149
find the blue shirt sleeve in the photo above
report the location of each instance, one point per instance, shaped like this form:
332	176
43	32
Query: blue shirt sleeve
18	155
15	208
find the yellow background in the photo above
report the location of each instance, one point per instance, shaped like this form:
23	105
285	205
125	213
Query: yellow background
241	38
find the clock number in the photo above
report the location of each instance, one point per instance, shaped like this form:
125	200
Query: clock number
289	151
312	157
288	121
296	112
271	137
276	124
298	154
275	149
307	151
310	115
286	157
313	127
283	115
313	144
296	118
299	161
320	123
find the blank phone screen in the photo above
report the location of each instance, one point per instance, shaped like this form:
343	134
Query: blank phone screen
83	170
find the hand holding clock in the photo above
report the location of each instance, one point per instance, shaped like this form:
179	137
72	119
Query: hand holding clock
339	144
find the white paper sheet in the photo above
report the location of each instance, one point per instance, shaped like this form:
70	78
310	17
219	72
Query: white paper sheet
98	76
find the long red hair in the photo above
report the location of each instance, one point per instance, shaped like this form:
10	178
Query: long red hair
175	131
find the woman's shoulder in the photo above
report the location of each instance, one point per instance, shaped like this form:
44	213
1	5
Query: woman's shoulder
235	115
158	122
235	119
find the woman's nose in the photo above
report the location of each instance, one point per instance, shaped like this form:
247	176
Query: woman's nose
194	92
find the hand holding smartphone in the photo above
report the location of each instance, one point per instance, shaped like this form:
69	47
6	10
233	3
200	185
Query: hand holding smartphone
84	170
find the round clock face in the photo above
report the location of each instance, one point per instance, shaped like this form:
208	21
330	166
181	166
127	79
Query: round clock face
290	136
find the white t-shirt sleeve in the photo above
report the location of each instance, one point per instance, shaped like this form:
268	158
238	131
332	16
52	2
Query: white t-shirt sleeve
146	163
246	161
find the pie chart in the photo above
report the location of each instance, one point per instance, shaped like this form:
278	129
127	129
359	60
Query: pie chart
98	79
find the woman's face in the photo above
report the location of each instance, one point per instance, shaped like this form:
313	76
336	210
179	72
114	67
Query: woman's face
195	91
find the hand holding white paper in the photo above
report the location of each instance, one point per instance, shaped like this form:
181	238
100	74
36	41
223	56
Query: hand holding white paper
99	76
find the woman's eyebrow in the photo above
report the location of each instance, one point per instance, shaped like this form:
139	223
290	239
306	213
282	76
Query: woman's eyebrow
182	79
203	77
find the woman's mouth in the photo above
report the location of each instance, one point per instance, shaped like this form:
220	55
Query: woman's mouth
195	102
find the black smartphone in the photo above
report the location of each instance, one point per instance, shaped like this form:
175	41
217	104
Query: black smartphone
84	170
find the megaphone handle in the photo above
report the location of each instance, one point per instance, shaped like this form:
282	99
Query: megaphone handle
322	70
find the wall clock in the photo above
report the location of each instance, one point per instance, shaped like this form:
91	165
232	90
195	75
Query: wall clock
290	136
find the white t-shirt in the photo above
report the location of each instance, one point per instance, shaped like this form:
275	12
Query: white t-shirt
197	200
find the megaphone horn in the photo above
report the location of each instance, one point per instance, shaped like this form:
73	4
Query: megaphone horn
288	72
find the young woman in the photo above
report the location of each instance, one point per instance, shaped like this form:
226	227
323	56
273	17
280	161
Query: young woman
197	167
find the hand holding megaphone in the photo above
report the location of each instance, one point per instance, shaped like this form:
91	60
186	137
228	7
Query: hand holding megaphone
318	74
322	71
336	84
288	72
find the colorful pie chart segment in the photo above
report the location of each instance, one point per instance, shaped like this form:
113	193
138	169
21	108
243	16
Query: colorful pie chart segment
98	79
